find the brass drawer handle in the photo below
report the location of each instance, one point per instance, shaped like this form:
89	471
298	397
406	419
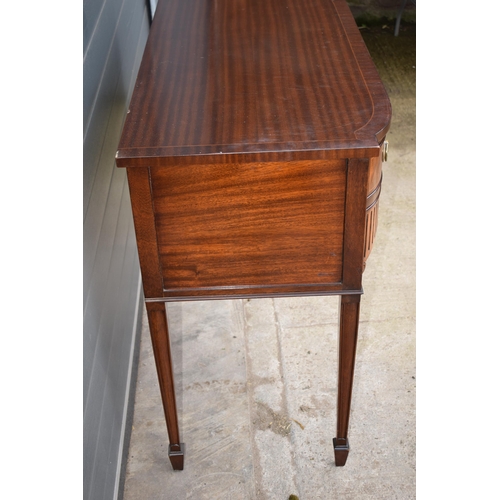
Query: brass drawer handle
385	150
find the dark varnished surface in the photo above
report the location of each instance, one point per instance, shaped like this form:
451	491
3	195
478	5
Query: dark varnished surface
254	76
256	229
250	224
252	148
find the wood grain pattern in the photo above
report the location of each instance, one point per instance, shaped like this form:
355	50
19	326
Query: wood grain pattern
348	335
252	146
254	76
142	209
160	340
254	224
355	217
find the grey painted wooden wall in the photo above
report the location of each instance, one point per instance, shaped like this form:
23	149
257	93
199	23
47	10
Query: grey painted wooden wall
114	35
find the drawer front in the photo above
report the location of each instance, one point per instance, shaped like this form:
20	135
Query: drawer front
234	226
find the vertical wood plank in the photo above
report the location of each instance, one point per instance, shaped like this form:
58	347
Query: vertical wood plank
142	208
355	220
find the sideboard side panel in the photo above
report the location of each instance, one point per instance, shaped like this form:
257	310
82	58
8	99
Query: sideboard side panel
250	224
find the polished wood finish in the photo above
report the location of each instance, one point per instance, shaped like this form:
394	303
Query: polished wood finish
354	224
348	334
374	190
253	152
161	348
145	231
253	76
256	224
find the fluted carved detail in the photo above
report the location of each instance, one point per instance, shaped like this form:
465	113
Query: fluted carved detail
371	219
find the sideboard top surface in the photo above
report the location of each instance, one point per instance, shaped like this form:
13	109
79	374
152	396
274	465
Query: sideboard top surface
250	77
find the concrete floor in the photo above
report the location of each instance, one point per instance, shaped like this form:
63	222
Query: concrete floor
257	378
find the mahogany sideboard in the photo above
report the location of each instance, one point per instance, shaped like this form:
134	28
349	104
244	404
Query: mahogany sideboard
253	147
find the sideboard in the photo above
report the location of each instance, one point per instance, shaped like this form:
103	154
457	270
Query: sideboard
253	147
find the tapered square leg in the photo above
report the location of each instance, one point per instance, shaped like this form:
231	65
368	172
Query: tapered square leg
348	334
163	358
